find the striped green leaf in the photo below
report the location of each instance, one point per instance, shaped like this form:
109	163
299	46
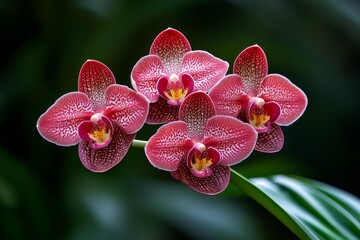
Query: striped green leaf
311	209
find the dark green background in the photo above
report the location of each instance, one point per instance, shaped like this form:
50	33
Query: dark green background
46	193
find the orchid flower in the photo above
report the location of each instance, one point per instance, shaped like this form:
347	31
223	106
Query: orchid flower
102	117
199	148
171	72
266	101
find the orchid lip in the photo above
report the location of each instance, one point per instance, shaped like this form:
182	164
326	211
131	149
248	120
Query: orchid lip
261	114
175	88
200	159
97	131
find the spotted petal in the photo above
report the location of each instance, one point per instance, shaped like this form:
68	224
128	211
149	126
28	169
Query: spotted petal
251	65
146	74
229	96
126	107
196	109
170	45
168	146
234	139
94	78
59	124
291	99
106	158
205	69
271	141
161	112
214	184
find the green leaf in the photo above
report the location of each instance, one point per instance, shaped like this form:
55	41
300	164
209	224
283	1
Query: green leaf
312	210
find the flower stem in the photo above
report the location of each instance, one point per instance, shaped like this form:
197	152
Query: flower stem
139	143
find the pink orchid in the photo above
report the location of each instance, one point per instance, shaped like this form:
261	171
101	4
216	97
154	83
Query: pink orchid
103	117
266	101
199	148
171	72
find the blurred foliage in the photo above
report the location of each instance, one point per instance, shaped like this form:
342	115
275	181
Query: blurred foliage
45	192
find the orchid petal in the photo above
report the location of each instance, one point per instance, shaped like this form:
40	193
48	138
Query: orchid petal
170	45
234	139
273	109
161	112
214	184
106	158
146	74
126	107
229	96
168	146
271	141
162	86
195	111
205	69
59	124
291	99
251	65
94	78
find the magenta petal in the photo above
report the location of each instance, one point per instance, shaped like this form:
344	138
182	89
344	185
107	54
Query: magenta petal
104	159
205	69
251	65
273	109
170	45
234	139
94	78
229	96
214	184
214	154
188	82
59	124
271	141
195	111
161	112
291	99
168	146
162	85
126	107
145	75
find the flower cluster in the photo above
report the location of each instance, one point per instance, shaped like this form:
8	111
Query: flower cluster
211	120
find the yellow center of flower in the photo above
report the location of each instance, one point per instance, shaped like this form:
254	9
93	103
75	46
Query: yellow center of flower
176	95
258	120
200	164
100	134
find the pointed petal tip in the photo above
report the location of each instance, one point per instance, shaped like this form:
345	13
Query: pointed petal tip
94	77
251	65
170	45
